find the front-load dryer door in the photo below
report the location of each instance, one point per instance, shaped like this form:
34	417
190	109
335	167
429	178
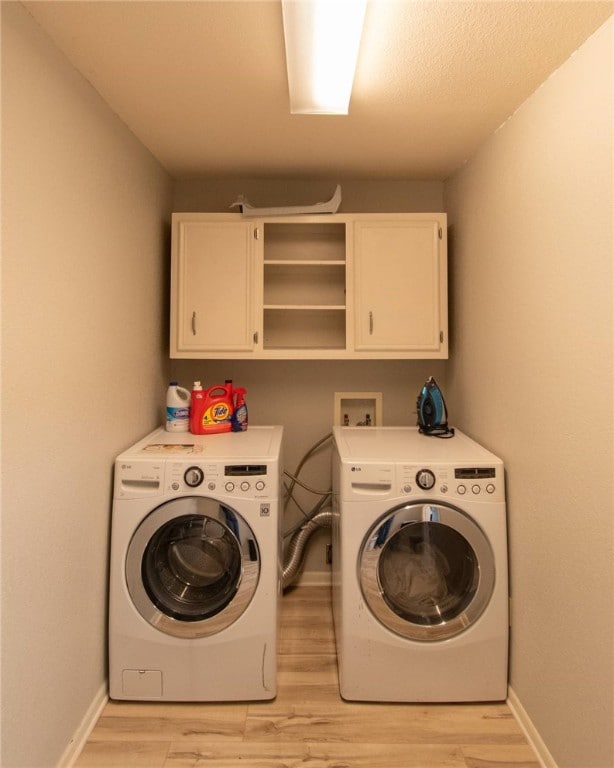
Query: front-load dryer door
426	571
192	567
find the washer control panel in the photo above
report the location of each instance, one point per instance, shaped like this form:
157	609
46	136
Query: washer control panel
235	480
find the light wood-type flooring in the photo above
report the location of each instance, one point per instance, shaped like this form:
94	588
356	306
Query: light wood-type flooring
308	724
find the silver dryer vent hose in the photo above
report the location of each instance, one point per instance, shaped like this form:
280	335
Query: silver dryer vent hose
298	543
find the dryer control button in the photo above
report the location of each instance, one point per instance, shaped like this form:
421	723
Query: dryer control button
229	487
245	486
461	490
425	479
444	489
407	488
260	485
211	486
475	489
490	488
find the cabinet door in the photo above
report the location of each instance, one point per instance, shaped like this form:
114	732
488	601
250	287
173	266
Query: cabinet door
400	286
212	292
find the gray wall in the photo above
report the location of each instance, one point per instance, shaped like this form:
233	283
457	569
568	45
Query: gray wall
85	219
530	376
85	212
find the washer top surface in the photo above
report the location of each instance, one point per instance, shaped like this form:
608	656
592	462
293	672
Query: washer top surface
407	444
256	443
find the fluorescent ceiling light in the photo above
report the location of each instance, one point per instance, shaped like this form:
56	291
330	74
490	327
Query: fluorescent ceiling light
322	41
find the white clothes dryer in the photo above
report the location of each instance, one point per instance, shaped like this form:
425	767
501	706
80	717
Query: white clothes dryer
195	567
420	581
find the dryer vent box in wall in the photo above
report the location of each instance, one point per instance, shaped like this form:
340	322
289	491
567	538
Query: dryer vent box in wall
358	409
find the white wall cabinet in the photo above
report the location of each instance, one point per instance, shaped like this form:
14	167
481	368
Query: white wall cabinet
399	286
212	287
339	286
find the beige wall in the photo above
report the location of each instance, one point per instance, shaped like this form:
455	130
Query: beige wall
85	216
531	376
358	196
300	394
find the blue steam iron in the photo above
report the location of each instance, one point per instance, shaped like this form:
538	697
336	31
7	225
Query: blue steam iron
432	411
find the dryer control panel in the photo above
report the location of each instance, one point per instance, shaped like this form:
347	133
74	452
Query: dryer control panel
418	481
478	483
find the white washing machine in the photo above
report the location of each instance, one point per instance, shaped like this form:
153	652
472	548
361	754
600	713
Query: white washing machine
195	567
420	579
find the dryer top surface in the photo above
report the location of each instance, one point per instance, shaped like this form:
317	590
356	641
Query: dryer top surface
255	444
407	444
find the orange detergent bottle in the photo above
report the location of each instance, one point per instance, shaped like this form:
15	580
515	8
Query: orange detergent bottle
211	410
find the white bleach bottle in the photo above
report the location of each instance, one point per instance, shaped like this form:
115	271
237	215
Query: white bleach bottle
177	408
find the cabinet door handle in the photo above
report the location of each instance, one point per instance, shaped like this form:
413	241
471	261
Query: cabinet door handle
194	323
255	337
371	323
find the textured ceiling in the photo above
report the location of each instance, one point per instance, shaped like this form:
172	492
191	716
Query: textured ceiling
203	84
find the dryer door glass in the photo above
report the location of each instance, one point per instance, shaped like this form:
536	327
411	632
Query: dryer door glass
426	571
192	567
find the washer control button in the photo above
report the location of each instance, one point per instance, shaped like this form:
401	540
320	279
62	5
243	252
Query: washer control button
194	476
461	490
425	479
260	485
490	488
229	487
211	485
475	489
444	489
407	488
245	486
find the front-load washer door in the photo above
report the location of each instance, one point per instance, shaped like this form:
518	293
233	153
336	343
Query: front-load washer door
426	571
192	567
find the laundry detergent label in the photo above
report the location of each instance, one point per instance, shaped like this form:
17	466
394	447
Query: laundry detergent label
216	414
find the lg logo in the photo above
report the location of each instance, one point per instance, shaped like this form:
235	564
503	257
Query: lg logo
356	469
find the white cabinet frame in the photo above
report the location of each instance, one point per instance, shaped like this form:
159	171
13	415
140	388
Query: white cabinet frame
302	287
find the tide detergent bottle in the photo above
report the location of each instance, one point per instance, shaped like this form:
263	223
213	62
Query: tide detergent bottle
212	409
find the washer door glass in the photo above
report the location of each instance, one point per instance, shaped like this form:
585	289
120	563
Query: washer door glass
426	571
192	567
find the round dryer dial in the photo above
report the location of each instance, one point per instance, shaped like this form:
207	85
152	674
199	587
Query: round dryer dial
194	476
425	479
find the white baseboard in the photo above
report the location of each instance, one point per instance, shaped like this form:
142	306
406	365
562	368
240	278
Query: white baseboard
81	735
530	731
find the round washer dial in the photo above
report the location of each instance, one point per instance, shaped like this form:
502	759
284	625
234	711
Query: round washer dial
425	479
194	476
